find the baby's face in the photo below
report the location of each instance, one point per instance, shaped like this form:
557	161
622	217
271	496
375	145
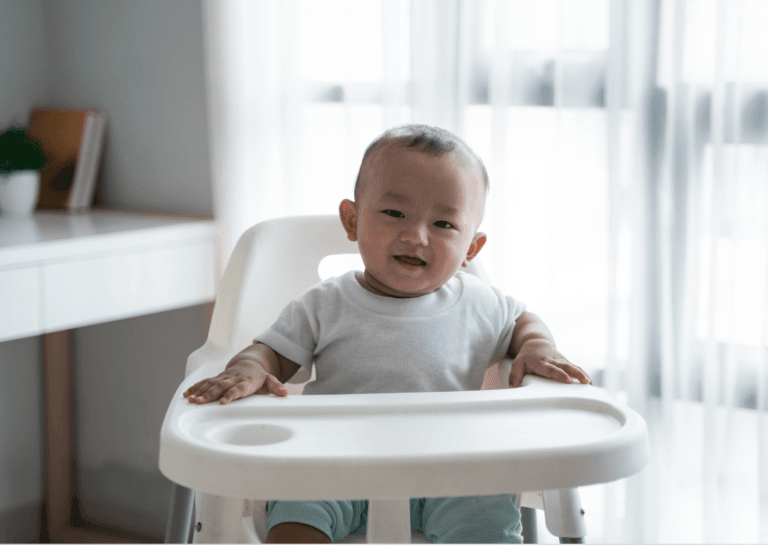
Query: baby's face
416	220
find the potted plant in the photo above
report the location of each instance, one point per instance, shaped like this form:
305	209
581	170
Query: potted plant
21	160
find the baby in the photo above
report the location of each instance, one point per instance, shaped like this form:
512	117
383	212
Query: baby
411	321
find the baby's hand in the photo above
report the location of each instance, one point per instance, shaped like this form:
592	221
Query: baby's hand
237	381
540	357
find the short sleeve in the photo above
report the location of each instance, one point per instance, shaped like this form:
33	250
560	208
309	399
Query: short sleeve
510	310
292	335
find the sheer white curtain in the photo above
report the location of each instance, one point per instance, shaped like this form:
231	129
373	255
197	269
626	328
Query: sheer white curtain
627	146
700	303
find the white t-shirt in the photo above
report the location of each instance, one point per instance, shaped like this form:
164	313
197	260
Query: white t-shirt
366	343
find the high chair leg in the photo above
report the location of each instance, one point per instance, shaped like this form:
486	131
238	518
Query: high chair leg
180	515
217	519
389	521
564	515
528	518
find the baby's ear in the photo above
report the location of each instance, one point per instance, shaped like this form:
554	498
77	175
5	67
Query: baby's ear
348	215
478	242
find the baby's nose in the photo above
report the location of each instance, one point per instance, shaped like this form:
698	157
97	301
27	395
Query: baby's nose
416	234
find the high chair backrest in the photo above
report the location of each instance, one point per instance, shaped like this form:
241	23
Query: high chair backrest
273	262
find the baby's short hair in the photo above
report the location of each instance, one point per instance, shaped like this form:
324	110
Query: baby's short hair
425	138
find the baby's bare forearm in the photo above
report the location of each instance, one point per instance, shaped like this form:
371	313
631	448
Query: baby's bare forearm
528	327
258	354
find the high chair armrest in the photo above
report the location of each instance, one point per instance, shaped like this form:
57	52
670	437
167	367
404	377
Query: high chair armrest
208	354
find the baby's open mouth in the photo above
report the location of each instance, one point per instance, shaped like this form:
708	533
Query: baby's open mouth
408	260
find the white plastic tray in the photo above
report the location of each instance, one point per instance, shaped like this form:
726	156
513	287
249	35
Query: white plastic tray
541	436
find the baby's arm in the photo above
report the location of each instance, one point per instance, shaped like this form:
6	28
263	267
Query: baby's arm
256	370
533	351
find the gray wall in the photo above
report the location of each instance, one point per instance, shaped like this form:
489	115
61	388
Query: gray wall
141	60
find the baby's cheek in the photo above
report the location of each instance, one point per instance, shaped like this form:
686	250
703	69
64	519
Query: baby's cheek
379	240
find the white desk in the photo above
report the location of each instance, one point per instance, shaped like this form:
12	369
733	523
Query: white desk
60	271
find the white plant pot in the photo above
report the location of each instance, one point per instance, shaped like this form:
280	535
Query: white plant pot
19	192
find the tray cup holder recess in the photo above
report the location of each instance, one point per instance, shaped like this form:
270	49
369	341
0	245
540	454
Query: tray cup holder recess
251	435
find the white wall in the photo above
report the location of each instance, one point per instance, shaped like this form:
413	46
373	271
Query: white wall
23	65
142	60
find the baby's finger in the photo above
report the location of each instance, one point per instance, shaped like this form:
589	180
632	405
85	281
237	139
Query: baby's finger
578	373
202	392
556	372
212	390
197	390
241	389
274	386
575	372
194	388
516	375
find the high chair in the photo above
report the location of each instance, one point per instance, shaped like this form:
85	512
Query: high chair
544	438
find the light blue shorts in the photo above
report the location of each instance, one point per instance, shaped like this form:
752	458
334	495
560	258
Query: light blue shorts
468	519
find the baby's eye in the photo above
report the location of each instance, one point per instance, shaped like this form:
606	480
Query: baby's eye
394	213
444	224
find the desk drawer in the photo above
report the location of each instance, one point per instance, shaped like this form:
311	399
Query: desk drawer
114	287
20	303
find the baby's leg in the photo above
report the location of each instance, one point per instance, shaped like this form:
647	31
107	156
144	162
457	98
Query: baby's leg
313	521
473	519
295	532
